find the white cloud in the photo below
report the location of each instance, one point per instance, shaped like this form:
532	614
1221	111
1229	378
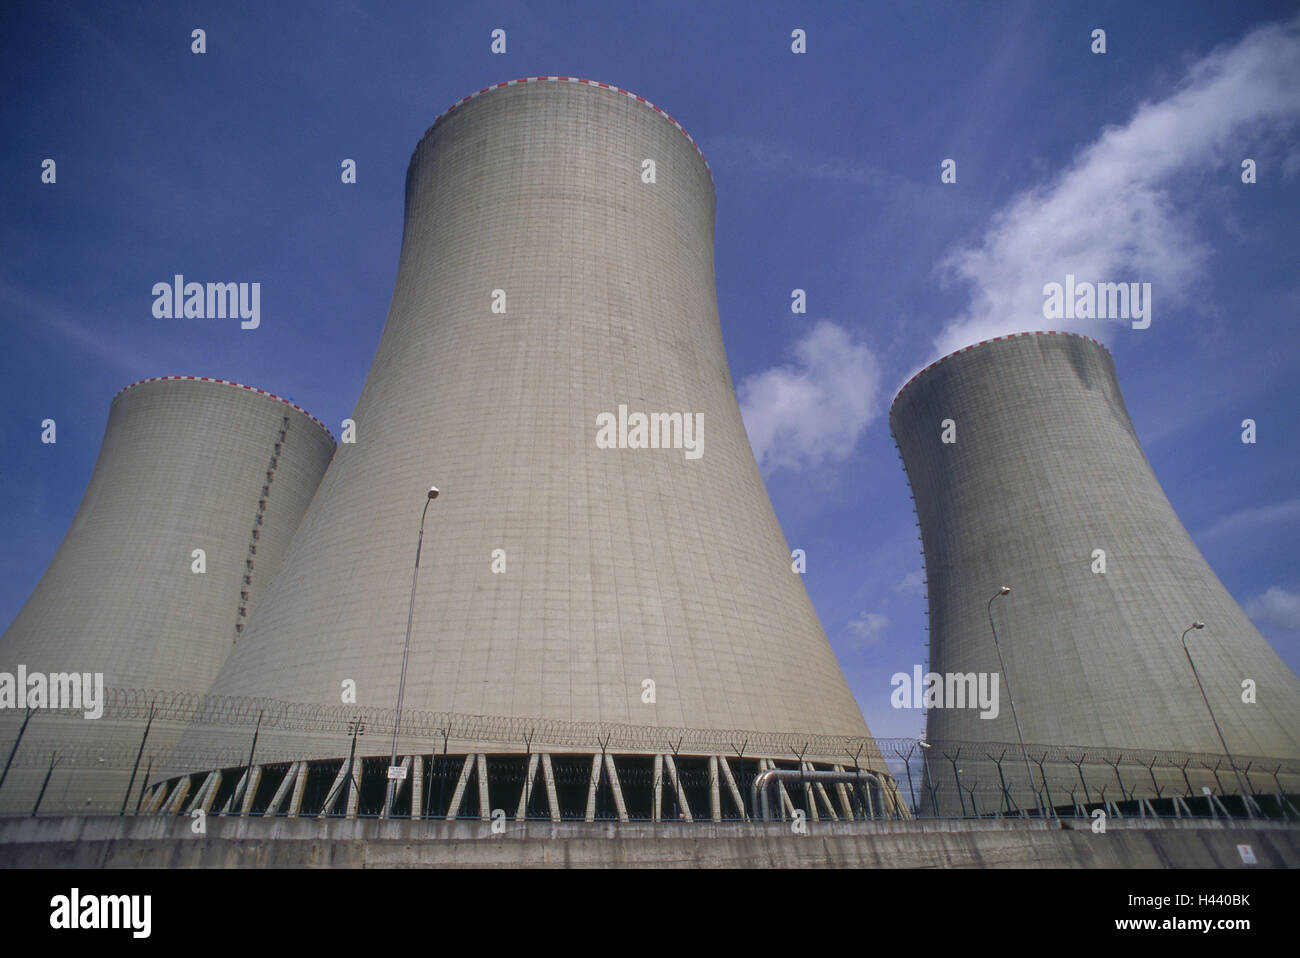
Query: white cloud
813	411
868	628
1244	520
1276	607
56	315
1108	217
913	584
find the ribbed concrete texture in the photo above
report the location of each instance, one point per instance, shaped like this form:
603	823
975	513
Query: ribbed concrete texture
1045	469
617	567
185	464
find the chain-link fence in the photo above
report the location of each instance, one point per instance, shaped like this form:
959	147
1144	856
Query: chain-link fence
167	753
989	779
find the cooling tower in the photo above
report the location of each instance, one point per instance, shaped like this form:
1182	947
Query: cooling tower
585	585
186	464
1044	474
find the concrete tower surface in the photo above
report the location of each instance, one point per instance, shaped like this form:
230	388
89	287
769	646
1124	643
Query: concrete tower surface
186	464
1045	470
555	284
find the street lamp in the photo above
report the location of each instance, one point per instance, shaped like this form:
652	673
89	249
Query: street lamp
1245	796
1006	680
406	651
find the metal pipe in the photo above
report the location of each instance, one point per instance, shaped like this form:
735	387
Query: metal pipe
758	790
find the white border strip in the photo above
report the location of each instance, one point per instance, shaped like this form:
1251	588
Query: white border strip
225	382
983	342
561	79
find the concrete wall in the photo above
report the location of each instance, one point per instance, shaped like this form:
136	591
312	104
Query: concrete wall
183	466
282	843
1046	469
622	565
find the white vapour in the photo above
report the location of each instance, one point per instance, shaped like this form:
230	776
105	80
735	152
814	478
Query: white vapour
1109	216
803	414
1276	607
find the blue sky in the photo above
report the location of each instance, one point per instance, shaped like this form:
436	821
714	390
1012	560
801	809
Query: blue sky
827	170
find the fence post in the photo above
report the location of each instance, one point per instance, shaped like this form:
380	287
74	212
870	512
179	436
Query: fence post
956	775
54	760
26	718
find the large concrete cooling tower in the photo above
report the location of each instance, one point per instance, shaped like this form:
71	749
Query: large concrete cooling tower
555	286
186	464
1045	470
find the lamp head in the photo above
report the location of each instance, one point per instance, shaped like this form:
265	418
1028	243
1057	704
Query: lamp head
1198	625
433	492
1005	590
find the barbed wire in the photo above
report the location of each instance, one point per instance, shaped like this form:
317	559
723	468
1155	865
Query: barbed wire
903	748
187	714
233	712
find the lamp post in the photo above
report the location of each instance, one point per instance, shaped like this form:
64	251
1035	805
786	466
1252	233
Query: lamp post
406	651
1245	796
1024	752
